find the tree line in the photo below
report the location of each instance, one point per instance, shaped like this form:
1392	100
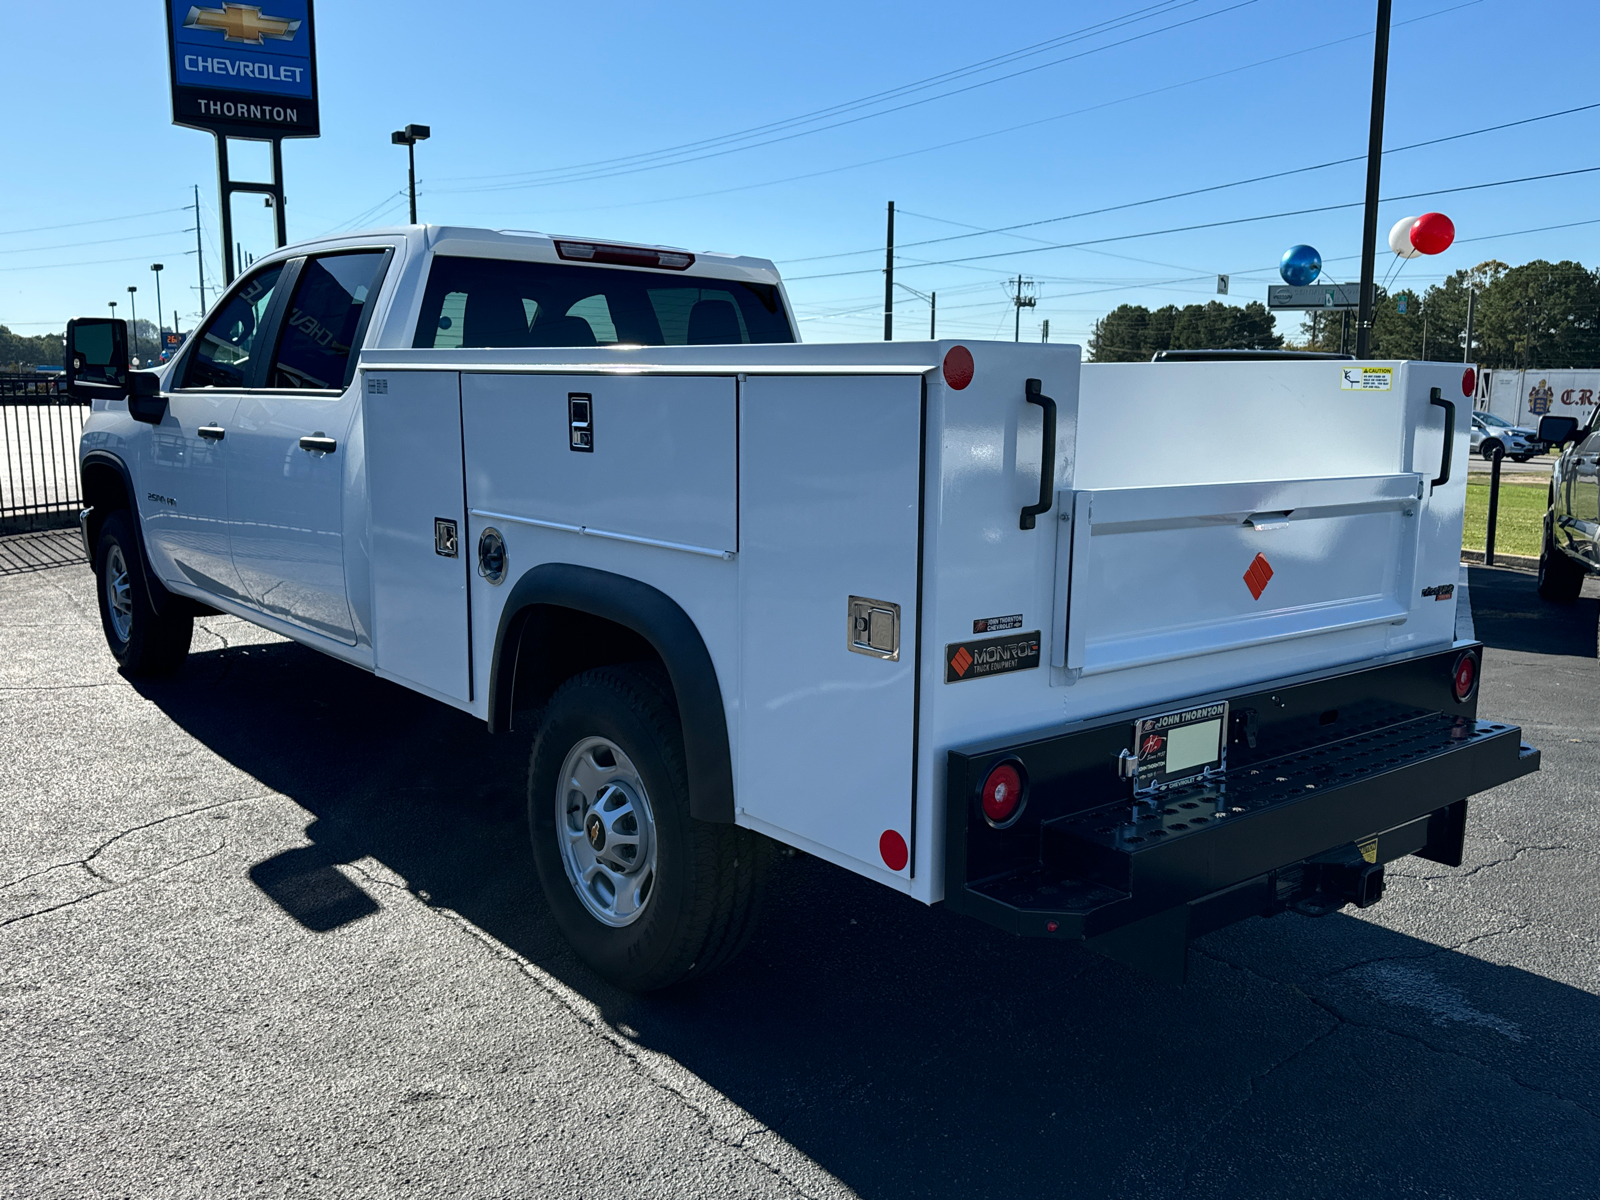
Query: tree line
1541	314
19	352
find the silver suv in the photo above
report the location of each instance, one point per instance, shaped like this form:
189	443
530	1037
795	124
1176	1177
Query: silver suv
1490	432
1571	548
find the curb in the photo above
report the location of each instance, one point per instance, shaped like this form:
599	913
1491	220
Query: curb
1511	562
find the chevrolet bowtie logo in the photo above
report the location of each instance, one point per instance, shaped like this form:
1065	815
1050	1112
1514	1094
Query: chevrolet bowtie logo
241	23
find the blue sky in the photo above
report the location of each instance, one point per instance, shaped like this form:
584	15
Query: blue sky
518	95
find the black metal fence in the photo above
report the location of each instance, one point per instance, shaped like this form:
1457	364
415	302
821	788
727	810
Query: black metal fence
39	431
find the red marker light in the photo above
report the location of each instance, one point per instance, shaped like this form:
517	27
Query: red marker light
958	367
1465	677
893	849
1469	382
1002	794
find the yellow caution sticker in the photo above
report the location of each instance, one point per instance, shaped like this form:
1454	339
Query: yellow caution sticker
1369	850
1366	379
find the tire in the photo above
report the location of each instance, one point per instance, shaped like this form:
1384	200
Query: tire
1490	445
142	642
1560	577
647	895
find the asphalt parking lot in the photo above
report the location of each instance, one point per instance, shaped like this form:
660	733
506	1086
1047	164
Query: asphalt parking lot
272	929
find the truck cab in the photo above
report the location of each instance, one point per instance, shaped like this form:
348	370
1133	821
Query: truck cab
1570	550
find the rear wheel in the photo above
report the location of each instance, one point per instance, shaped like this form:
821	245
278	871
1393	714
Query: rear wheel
1560	577
142	641
646	894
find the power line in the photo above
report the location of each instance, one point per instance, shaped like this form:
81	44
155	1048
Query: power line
97	221
850	105
1216	187
93	263
1024	125
609	174
101	242
1297	212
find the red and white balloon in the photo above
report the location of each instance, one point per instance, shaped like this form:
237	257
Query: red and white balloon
1431	233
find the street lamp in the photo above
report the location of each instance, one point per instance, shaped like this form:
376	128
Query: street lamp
133	307
409	137
156	267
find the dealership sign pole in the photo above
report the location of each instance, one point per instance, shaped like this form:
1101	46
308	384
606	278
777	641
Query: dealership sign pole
250	72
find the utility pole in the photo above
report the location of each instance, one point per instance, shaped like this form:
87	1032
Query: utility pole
1021	302
133	310
409	137
1044	330
199	253
1466	344
888	279
156	267
1369	229
933	316
1424	305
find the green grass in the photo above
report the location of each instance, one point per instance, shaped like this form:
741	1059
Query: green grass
1520	521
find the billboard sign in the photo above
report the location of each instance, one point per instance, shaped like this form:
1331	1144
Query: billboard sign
244	70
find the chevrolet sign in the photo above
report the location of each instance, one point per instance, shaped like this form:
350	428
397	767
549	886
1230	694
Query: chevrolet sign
244	70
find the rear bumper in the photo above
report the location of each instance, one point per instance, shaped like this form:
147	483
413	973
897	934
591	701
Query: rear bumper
1323	781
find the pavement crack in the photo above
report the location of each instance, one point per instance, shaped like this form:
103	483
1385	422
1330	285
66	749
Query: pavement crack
639	1060
114	887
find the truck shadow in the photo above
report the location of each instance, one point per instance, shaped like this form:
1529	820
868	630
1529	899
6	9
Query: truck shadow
908	1052
1509	615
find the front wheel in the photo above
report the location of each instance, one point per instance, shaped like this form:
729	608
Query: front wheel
646	894
1560	578
1489	449
142	641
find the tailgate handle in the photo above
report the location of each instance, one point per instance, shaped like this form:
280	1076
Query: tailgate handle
1269	520
1047	457
1436	396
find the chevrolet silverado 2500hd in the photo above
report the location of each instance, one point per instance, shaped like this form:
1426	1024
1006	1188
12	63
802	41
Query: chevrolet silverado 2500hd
1116	653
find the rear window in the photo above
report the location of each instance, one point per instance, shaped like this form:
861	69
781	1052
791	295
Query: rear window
483	302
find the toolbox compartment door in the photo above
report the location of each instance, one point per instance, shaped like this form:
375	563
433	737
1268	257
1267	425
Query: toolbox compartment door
417	515
1161	573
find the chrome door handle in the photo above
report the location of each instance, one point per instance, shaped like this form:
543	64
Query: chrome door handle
213	433
317	442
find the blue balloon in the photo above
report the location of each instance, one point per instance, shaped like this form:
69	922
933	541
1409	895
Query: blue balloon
1300	265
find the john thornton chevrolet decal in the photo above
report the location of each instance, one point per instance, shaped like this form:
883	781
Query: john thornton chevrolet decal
992	656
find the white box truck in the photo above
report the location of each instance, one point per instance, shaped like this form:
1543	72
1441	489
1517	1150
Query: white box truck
1118	653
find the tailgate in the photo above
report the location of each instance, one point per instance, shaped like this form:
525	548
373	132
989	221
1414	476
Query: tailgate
1151	574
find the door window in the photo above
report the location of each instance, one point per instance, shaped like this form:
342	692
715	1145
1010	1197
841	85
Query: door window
230	341
317	348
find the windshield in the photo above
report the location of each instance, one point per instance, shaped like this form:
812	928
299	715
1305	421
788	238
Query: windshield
1491	419
486	302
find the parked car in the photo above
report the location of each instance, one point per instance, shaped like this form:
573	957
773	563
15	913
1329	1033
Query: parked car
1490	432
1571	548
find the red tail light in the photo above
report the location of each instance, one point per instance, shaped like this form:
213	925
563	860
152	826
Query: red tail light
1001	798
1465	678
625	256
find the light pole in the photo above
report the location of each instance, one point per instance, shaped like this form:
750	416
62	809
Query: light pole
409	137
156	267
133	308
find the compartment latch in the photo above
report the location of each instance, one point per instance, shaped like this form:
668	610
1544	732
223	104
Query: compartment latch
874	628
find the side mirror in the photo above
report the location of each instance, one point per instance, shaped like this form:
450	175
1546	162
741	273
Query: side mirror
145	401
1558	431
96	358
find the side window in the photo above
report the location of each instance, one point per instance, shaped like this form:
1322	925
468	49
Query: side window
224	349
317	346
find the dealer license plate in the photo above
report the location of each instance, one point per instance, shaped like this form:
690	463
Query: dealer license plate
1176	746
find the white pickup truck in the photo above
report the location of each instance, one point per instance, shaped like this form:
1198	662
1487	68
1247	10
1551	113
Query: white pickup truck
1120	653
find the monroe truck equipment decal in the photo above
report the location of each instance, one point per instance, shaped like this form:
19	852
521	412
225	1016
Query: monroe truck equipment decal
994	656
1258	576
